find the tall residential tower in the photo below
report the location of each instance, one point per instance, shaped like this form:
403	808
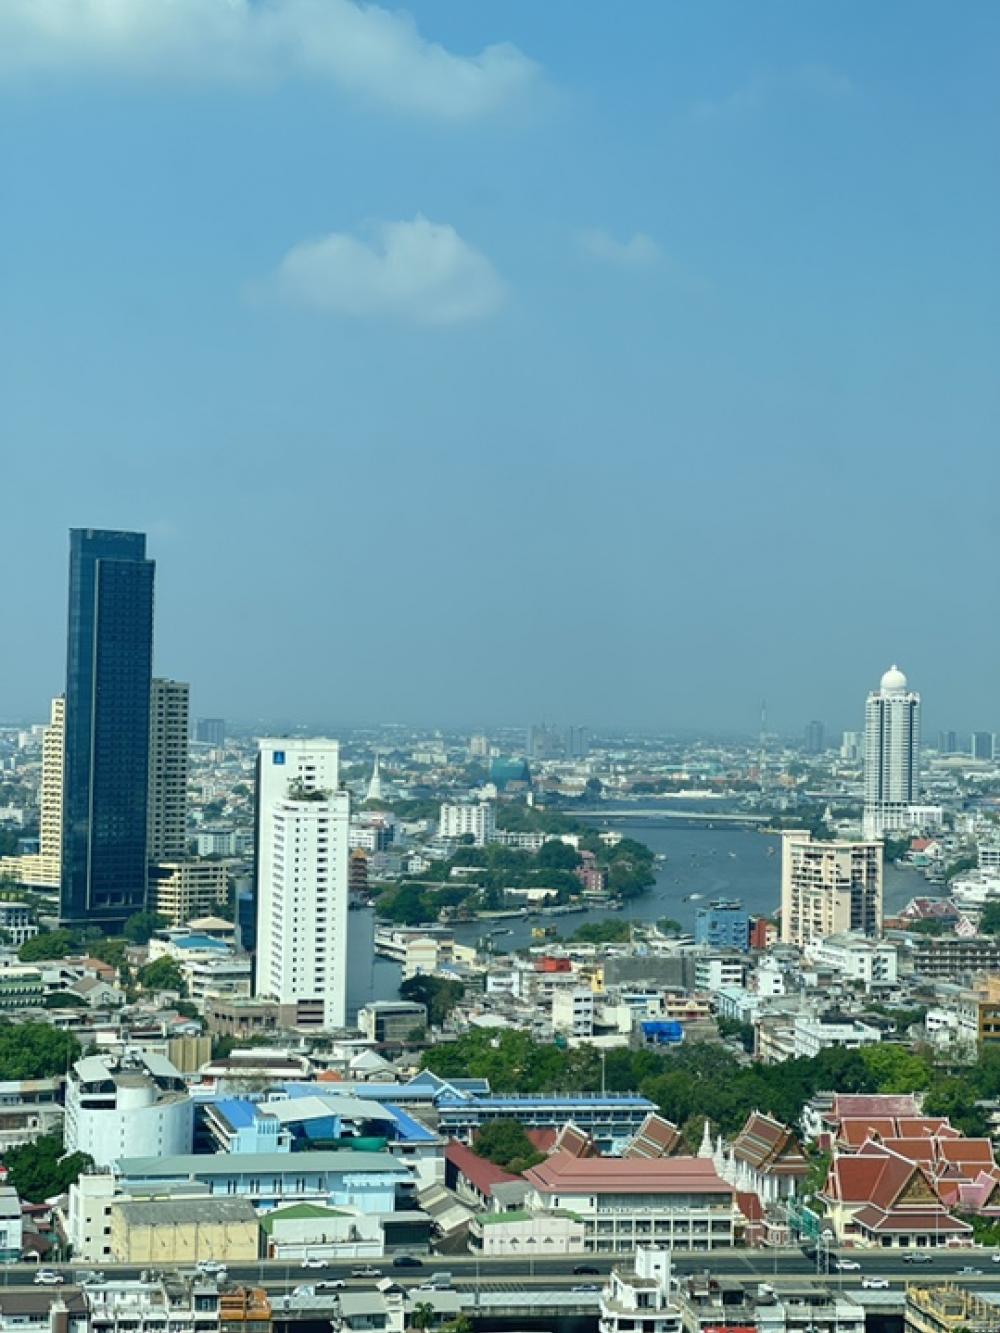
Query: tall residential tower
109	657
829	888
892	756
302	881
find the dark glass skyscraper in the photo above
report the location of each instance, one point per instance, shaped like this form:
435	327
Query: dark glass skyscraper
109	660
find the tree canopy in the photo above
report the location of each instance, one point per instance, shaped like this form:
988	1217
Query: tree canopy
163	974
35	1050
698	1080
437	994
141	926
506	1144
39	1170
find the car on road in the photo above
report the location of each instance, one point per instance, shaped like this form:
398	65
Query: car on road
584	1287
918	1257
995	1258
407	1261
303	1290
585	1270
847	1265
307	1262
210	1267
968	1271
875	1283
366	1270
87	1277
332	1284
48	1277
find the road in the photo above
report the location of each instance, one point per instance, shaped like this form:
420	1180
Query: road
775	1266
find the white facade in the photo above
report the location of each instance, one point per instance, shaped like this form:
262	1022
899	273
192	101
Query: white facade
813	1035
871	962
641	1300
460	819
573	1012
136	1106
302	880
892	756
87	1220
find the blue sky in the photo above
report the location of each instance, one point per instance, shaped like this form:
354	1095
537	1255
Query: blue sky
604	364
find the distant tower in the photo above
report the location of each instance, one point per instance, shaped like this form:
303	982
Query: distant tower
169	726
109	655
892	755
375	785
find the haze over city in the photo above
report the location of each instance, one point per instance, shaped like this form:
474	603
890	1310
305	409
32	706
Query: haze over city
510	361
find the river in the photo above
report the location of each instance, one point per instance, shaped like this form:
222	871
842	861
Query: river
723	861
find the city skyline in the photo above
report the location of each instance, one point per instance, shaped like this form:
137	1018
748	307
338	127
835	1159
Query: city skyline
528	330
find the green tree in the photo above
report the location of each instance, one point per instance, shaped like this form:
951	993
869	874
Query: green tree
35	1050
668	925
39	1170
422	1316
506	1144
557	855
611	931
163	974
896	1069
989	922
438	994
48	945
141	926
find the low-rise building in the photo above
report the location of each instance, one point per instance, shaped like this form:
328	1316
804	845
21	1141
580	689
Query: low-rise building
29	1108
132	1105
391	1020
858	958
641	1298
183	1231
17	922
673	1202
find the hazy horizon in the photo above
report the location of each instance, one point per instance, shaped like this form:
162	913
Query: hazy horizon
517	361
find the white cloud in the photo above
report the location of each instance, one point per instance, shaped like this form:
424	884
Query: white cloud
419	272
812	81
370	52
639	251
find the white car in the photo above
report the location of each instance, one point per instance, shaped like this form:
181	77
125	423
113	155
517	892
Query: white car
210	1266
848	1266
995	1258
313	1263
875	1283
48	1277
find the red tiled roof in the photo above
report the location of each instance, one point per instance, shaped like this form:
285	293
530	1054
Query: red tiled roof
563	1173
879	1219
541	1139
479	1172
854	1132
657	1137
851	1105
911	1127
750	1206
966	1150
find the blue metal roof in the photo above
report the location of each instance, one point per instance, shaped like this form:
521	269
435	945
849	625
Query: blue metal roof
596	1102
410	1130
238	1113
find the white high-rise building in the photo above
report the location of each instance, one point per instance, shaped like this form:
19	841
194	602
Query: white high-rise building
302	881
461	819
892	756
